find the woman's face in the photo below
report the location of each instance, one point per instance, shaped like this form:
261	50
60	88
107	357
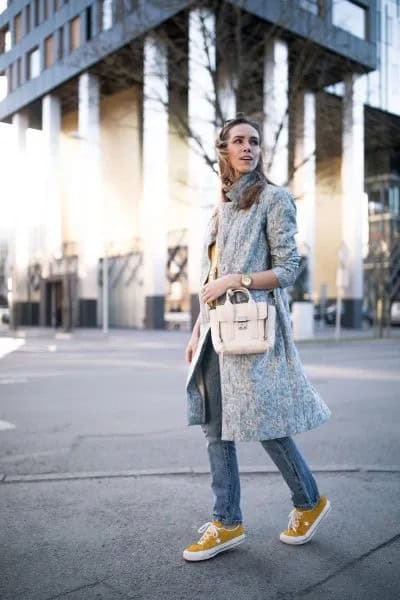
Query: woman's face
243	148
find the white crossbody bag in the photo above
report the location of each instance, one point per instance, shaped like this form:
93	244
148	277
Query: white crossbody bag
243	327
239	327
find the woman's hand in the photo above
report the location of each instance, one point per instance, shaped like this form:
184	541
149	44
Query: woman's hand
192	344
214	289
191	347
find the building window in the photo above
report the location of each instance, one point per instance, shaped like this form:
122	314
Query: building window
88	23
49	51
394	200
313	6
28	18
37	14
375	206
3	5
57	5
395	72
10	76
47	9
106	14
378	25
60	34
384	199
18	28
5	40
3	86
33	64
389	30
74	33
8	40
350	16
19	72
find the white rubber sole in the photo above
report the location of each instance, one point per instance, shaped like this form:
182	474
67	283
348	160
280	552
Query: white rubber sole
206	554
287	539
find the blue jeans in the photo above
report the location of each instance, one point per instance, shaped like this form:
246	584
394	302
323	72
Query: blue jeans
224	468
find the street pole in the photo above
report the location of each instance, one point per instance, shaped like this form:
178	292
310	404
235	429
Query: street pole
338	312
10	299
105	291
342	281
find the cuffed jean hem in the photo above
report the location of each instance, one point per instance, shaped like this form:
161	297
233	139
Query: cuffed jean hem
226	522
308	507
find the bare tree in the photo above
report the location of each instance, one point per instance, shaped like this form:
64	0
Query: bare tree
239	39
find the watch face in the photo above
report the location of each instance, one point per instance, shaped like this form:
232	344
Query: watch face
246	280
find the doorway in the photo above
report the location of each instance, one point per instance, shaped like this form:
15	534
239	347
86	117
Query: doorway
54	297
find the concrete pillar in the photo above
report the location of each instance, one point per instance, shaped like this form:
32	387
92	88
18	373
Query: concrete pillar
90	192
20	254
276	135
203	183
226	91
352	175
51	125
304	184
304	179
155	181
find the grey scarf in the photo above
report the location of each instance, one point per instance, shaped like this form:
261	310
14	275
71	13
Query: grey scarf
237	189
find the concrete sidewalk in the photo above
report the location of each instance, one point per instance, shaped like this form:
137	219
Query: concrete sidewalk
104	485
122	537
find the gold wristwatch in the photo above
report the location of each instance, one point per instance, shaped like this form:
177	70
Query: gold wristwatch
246	280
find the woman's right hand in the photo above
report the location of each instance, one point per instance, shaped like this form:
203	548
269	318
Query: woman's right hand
192	346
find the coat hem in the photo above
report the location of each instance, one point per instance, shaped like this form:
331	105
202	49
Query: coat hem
264	437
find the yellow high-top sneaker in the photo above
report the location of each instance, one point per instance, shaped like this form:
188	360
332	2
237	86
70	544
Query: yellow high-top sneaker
215	539
304	523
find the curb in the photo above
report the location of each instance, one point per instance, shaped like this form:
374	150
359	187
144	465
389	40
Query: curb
135	474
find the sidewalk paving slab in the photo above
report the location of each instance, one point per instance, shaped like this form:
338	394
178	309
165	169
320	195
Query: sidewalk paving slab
123	538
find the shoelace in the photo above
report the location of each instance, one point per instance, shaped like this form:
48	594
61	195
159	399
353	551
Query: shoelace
208	530
294	520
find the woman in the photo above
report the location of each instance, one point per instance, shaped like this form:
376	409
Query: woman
247	397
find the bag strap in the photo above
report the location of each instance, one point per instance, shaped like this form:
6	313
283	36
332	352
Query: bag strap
214	257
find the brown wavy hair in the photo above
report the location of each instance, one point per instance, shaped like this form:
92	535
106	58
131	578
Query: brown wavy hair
227	174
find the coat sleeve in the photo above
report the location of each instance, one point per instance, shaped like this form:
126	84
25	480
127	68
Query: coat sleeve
281	229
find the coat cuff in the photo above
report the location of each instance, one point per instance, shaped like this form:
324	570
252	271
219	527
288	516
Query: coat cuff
285	277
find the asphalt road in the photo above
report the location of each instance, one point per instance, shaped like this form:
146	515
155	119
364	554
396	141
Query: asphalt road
103	484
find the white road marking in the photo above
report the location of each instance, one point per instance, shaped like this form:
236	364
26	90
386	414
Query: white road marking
13	380
8	345
6	425
336	372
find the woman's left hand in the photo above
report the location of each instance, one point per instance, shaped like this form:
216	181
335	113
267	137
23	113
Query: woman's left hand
214	289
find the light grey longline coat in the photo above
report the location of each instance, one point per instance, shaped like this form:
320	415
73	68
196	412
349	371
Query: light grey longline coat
264	396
